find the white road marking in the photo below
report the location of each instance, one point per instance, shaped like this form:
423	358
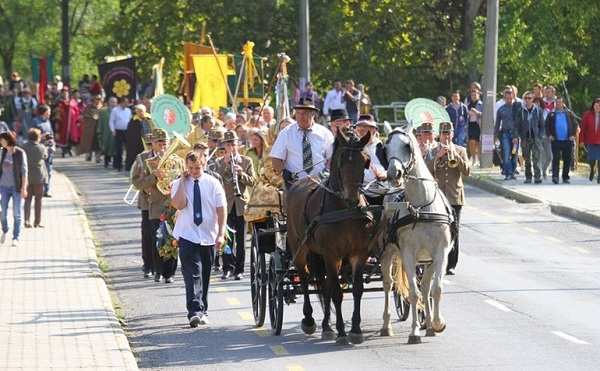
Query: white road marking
497	305
569	337
531	230
553	239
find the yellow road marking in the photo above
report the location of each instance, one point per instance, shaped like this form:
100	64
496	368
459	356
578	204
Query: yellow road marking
488	214
246	316
553	239
261	332
507	221
470	207
580	249
295	368
221	289
233	301
279	350
531	230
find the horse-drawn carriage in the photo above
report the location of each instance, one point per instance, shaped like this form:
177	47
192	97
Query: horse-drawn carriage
321	243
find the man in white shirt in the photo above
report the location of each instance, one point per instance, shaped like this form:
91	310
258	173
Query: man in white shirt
333	99
119	119
199	230
287	154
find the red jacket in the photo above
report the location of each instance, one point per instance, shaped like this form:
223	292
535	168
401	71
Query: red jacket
588	134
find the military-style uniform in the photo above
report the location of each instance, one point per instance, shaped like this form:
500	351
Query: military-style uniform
144	205
450	182
156	204
236	204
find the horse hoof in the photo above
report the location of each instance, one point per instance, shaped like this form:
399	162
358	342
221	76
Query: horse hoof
308	330
430	332
387	332
328	335
356	338
342	340
414	339
439	328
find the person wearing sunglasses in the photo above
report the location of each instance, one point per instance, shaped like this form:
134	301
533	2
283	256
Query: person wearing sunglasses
530	124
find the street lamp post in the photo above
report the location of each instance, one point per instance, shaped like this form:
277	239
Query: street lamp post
304	43
489	82
66	56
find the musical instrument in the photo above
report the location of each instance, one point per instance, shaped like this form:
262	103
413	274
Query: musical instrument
421	110
234	178
450	155
171	164
131	189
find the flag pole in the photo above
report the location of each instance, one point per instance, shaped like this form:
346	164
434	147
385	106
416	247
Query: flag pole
222	73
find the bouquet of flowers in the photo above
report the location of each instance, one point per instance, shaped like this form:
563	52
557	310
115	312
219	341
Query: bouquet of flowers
166	244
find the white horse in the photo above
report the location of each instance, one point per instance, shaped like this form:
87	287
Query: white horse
419	230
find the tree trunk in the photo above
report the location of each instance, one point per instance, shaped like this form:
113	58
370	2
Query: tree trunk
470	10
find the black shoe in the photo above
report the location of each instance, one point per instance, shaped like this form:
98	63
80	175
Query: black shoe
239	276
27	225
157	277
537	181
592	174
512	177
170	279
226	275
566	181
544	175
216	269
555	180
450	272
47	194
194	321
527	181
507	177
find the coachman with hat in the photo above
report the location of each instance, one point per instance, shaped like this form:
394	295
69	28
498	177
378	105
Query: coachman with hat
448	164
146	181
339	119
238	174
303	148
377	170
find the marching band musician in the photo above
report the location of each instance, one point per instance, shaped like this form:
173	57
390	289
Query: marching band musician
238	174
426	140
449	163
144	206
214	136
156	203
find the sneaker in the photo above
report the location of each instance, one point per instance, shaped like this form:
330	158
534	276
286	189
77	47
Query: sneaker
157	277
15	242
3	238
204	320
169	280
27	225
239	276
194	321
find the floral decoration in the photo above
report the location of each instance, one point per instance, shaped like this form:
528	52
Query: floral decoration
167	245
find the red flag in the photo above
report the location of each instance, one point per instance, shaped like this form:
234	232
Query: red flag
43	84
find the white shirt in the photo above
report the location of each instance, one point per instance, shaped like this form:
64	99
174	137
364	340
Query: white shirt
119	118
333	100
213	196
288	147
375	168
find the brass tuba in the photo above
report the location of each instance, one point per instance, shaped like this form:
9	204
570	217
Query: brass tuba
171	164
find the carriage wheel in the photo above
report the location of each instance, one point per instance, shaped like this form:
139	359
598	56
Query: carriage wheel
402	306
275	299
258	281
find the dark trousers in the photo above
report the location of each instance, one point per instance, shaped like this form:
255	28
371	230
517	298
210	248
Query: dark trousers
238	223
119	142
196	264
147	256
165	268
561	149
34	191
532	149
453	255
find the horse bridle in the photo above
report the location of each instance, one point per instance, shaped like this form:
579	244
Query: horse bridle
411	162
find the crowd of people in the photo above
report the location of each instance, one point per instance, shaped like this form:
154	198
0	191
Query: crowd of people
238	161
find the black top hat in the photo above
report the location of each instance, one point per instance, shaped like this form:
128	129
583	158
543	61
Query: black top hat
339	114
306	103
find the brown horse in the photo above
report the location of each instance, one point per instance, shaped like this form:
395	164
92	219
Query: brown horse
330	218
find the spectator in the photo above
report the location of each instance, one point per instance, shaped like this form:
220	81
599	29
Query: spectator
42	122
333	99
13	183
590	136
37	176
505	130
561	127
459	116
475	107
120	117
352	99
105	137
530	124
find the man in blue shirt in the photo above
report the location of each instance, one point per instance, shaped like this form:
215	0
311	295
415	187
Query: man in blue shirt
561	128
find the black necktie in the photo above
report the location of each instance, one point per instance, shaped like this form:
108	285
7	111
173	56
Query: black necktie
197	204
306	153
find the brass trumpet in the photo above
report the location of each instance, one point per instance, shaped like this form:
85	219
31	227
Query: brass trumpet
452	161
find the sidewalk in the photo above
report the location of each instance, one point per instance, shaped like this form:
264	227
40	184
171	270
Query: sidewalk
55	309
579	200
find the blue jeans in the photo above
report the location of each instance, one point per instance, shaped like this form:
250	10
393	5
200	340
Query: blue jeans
48	161
460	136
507	164
6	193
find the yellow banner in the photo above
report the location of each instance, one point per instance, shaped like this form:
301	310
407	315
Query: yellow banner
211	89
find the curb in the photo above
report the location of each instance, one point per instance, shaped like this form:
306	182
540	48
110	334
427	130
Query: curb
566	211
122	343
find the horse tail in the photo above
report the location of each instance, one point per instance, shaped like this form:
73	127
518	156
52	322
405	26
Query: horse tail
400	278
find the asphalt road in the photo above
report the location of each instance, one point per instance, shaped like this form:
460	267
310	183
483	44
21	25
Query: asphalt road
526	296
